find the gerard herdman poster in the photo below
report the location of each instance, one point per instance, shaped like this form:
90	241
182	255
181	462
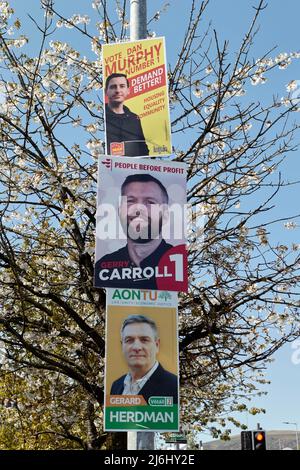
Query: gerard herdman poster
141	366
141	224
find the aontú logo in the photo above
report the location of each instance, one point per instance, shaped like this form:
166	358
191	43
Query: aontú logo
137	294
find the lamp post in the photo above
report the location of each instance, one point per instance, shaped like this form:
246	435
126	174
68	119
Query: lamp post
296	425
138	30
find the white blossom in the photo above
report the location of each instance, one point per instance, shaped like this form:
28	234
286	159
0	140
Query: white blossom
290	225
19	42
95	146
96	46
281	57
220	144
209	109
197	92
284	64
5	11
292	85
78	19
92	127
96	4
257	79
285	101
77	122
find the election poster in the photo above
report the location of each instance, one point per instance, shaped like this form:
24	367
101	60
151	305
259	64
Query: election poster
141	367
135	94
141	224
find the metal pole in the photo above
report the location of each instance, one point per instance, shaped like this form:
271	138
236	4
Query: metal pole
138	19
140	440
138	30
145	440
297	440
131	440
296	425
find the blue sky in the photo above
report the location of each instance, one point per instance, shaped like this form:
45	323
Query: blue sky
279	26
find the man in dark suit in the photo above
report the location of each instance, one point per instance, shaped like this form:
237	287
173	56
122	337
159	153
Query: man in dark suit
146	377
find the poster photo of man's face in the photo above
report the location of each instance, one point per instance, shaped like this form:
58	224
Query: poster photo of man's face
143	210
116	90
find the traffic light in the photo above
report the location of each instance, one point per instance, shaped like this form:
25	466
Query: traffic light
259	440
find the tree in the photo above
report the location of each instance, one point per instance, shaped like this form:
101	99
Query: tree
242	304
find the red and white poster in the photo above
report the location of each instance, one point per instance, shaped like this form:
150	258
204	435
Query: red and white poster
141	225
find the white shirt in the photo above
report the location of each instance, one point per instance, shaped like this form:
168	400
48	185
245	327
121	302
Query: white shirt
133	388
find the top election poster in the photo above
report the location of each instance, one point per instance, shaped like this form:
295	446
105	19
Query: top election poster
141	224
137	118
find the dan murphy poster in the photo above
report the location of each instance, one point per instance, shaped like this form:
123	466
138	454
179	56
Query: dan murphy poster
137	119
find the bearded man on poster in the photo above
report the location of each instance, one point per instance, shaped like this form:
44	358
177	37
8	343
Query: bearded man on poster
143	212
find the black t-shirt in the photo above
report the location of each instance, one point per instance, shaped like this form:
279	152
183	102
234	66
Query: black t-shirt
125	128
115	263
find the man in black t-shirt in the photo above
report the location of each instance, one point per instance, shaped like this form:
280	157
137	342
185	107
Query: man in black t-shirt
143	212
123	127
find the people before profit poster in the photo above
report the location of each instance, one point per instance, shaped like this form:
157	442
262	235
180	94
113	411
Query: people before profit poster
137	119
141	224
141	367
